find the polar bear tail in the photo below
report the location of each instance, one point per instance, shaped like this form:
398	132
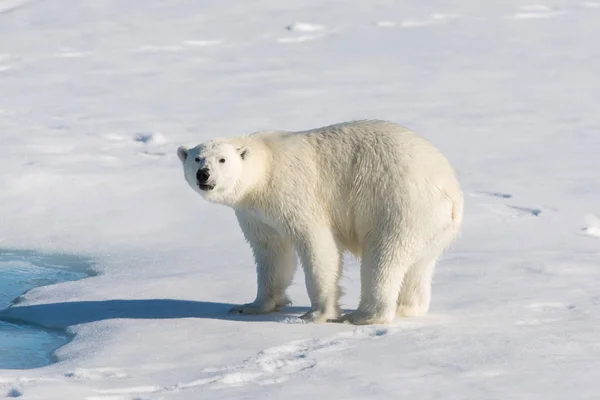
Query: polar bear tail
457	212
451	230
457	216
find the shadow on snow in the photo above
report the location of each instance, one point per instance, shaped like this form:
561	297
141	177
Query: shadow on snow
63	315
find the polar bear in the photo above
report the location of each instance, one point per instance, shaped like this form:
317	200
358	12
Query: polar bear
370	187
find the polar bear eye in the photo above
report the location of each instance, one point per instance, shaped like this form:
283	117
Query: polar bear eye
222	160
197	159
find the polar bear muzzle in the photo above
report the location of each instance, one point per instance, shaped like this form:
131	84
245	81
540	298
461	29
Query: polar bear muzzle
202	176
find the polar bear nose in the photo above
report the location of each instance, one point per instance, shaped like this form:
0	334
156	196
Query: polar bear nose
202	175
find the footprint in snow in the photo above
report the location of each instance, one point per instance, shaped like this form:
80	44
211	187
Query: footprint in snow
277	364
147	138
365	333
308	32
270	366
95	374
150	138
513	211
152	142
500	195
152	154
551	305
526	210
592	227
305	27
506	209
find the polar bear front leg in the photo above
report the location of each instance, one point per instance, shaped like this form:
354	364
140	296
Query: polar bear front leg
322	262
275	266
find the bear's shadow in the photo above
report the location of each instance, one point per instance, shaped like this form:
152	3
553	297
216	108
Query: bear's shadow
64	315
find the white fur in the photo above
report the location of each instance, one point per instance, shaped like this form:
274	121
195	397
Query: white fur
369	187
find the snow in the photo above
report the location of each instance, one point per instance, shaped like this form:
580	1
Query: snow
96	97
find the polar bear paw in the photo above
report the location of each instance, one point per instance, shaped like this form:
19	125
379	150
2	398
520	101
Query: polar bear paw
259	307
360	317
408	311
319	316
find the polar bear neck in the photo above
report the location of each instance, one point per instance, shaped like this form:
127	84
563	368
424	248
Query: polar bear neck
257	171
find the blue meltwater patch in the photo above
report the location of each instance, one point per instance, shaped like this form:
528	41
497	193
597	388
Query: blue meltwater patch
25	346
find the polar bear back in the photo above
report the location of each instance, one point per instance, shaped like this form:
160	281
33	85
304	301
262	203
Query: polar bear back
356	176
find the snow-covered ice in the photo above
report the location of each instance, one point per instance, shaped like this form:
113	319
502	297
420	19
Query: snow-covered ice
95	97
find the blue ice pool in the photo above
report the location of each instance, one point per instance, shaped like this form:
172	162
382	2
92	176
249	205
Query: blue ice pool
23	346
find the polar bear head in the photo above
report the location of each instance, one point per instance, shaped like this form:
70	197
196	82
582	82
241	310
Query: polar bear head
215	169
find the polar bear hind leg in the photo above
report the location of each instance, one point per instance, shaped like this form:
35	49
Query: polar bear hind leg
415	292
321	258
383	266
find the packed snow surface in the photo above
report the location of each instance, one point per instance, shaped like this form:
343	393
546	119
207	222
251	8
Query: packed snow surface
96	96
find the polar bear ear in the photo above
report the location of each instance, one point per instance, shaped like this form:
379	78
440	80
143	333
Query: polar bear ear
243	151
182	153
